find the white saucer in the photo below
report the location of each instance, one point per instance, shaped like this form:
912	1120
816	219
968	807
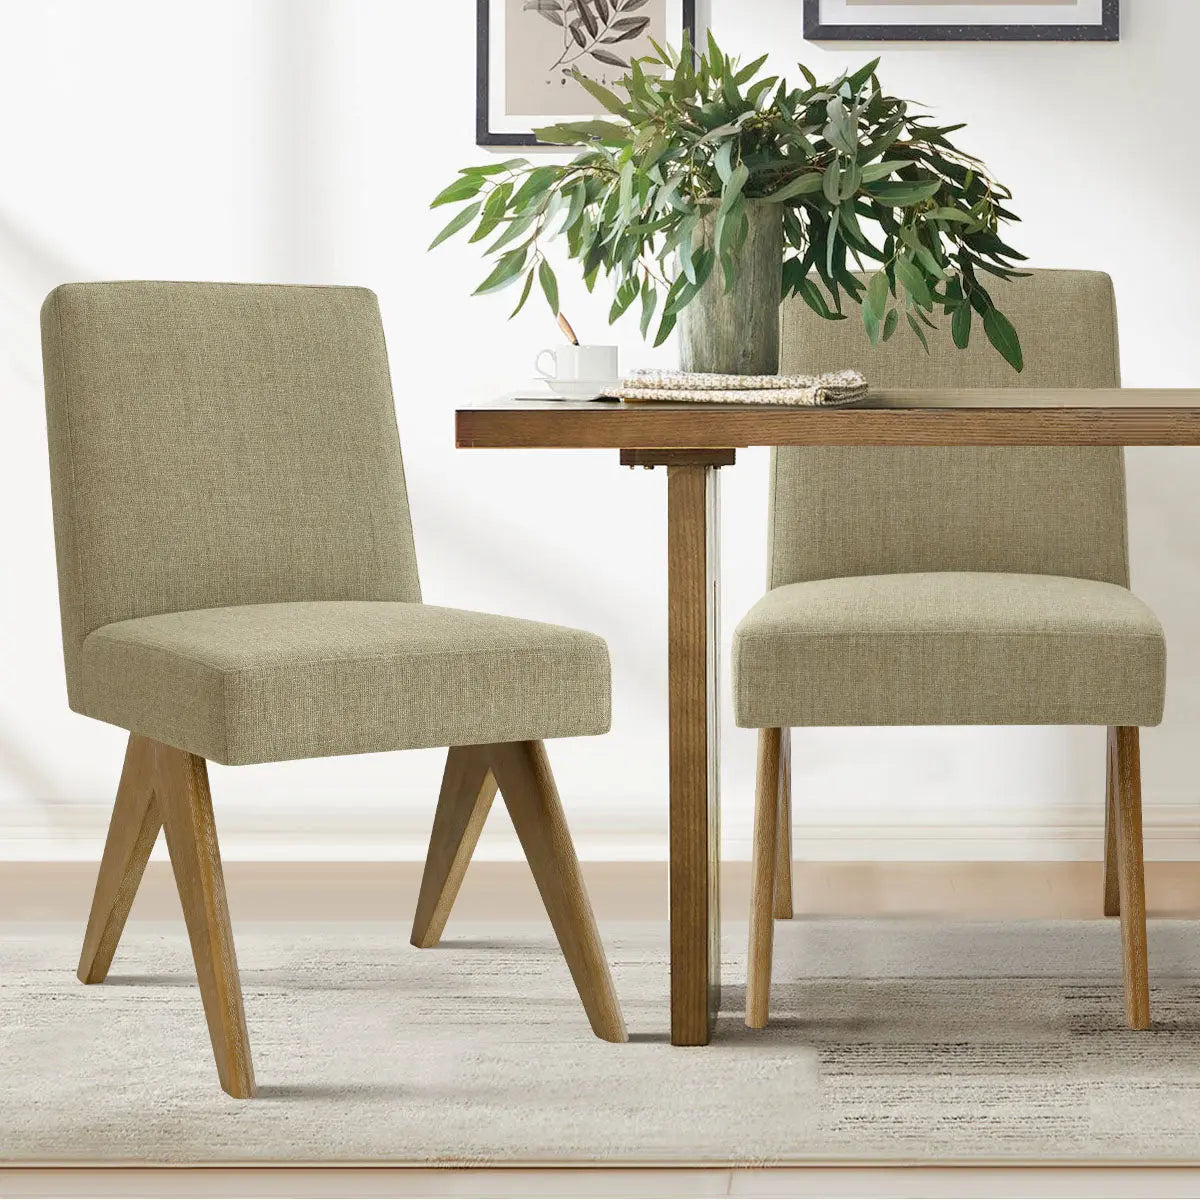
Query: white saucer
581	389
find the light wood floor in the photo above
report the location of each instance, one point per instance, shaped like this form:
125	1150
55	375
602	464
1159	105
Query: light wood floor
620	891
828	1182
505	891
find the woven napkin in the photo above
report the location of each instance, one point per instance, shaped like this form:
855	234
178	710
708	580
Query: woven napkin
837	387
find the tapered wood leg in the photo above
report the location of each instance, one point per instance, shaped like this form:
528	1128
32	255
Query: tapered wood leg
762	879
1112	892
522	771
1131	875
132	833
693	638
183	796
783	855
468	789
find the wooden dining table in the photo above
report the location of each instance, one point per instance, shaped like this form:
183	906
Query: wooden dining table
692	441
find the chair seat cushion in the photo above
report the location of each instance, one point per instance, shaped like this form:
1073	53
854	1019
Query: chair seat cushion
949	648
269	682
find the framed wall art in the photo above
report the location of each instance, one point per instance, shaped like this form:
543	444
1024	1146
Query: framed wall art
528	48
962	20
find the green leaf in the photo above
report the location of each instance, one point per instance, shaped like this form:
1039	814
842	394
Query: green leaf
916	328
626	193
575	208
812	296
574	133
664	54
506	270
723	162
914	282
687	246
678	299
831	240
911	237
487	225
509	164
460	221
802	185
832	181
749	71
601	93
1003	336
664	328
733	189
758	91
462	188
890	322
877	294
960	325
524	295
875	171
952	214
495	205
516	227
627	293
862	75
549	285
649	302
715	57
871	321
536	182
902	194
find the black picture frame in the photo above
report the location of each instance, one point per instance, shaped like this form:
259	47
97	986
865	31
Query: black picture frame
484	134
1109	30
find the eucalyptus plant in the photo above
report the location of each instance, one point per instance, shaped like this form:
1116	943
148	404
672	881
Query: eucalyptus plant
656	198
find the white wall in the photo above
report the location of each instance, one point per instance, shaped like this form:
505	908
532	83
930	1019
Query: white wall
300	140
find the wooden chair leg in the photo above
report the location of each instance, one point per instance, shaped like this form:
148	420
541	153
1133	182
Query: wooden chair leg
181	785
1112	891
784	906
1131	876
522	771
1111	887
468	789
762	879
132	833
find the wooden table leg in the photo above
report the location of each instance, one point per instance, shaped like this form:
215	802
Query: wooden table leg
693	654
692	669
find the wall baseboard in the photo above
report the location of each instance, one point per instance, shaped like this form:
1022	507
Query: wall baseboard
620	891
74	832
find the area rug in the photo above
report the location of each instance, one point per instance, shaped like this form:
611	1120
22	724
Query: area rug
892	1041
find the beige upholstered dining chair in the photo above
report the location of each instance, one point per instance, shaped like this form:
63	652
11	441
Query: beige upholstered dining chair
238	583
953	586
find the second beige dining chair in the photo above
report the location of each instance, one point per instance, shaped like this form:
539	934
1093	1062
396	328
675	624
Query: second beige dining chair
238	583
953	586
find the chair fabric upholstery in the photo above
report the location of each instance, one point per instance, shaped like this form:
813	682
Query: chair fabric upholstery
949	648
1040	510
237	573
968	651
270	682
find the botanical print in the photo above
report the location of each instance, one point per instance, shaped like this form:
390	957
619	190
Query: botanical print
548	39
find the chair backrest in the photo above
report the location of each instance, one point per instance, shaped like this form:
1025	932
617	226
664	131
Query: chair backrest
216	444
884	510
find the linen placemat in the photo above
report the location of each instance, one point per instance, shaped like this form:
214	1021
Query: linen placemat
837	387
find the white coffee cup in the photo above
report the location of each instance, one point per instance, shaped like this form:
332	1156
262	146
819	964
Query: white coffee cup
588	367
